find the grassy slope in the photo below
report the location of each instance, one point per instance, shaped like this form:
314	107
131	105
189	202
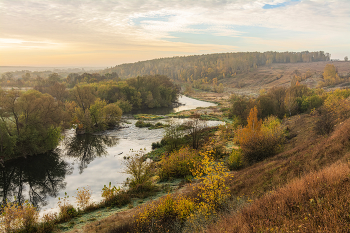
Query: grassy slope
305	188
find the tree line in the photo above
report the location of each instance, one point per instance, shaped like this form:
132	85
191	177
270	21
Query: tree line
31	121
44	79
210	66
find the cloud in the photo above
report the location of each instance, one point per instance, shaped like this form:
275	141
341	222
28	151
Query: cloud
87	26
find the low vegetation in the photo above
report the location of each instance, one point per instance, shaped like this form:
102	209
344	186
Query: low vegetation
318	202
142	124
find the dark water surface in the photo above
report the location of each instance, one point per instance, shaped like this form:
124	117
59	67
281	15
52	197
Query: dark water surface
81	160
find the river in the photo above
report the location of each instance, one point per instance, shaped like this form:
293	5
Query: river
81	161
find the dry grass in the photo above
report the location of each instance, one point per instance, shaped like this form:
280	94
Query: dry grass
308	154
124	221
120	222
277	74
317	202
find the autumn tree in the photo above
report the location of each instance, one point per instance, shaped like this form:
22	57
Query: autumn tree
330	76
240	107
290	102
278	95
259	139
57	90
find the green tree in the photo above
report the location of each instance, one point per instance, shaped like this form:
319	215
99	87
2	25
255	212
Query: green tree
84	96
112	114
33	118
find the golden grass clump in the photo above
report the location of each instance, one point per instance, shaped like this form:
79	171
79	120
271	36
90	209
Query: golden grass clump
18	217
167	214
83	197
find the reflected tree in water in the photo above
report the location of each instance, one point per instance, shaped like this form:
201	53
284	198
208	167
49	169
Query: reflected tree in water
85	148
33	178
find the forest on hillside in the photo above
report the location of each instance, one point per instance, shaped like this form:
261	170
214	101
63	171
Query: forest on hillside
207	67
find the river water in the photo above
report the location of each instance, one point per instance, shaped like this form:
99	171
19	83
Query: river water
81	161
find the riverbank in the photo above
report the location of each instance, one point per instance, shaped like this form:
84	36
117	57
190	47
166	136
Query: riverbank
106	214
93	160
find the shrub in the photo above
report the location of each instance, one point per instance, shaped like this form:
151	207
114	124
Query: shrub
235	160
109	192
172	214
311	102
173	136
142	124
259	140
160	144
325	124
141	171
48	223
67	211
166	215
178	164
115	196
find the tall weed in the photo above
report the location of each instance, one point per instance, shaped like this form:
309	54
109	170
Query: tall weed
83	197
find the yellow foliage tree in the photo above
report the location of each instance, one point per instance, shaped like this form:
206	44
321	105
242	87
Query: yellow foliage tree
330	75
252	130
259	140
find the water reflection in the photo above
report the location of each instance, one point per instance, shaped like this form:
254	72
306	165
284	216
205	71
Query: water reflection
33	178
85	148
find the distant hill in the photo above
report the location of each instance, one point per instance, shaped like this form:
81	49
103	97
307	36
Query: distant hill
204	68
4	69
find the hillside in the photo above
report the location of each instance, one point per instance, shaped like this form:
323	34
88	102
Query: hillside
242	73
268	76
210	66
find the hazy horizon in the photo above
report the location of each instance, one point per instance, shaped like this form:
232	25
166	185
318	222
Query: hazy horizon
98	34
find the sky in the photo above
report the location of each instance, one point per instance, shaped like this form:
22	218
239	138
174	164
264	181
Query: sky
105	33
